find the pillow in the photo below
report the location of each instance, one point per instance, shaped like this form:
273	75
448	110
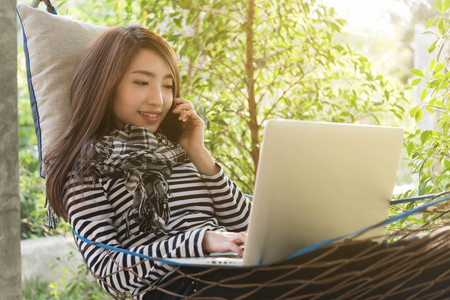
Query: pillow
53	46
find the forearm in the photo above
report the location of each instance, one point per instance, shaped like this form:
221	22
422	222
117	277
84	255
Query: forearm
203	161
133	271
231	207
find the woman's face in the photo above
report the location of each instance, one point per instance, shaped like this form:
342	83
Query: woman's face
144	94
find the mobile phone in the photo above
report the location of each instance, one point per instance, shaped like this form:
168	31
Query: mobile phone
171	126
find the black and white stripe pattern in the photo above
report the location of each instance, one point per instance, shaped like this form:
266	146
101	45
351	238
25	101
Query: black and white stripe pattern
97	211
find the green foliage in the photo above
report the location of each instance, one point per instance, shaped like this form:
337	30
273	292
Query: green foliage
81	286
241	67
74	285
77	289
35	289
299	73
428	149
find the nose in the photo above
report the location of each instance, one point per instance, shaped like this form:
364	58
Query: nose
155	97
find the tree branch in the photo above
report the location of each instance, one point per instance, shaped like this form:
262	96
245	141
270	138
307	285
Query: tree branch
249	70
279	99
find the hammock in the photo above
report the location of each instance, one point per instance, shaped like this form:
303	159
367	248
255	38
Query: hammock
408	263
412	264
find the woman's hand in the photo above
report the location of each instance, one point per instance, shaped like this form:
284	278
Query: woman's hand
220	241
192	138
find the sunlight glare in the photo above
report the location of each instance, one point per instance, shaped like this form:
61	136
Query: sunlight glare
372	15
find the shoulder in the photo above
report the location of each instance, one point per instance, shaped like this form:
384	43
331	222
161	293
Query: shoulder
78	186
88	197
76	183
82	175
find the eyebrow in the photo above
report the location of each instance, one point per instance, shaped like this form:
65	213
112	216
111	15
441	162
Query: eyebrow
150	74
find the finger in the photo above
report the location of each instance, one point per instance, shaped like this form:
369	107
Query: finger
240	238
236	248
181	102
184	115
188	114
183	106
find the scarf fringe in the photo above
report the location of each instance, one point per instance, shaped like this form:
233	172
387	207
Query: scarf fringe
50	217
152	216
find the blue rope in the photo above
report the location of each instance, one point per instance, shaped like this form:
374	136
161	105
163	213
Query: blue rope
438	199
413	199
54	11
108	247
403	215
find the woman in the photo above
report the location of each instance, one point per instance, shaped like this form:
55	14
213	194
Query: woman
133	167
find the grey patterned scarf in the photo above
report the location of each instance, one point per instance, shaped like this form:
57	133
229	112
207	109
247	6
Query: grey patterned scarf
145	160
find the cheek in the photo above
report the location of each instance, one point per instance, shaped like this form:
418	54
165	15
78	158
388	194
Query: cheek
119	105
122	104
118	112
168	103
125	99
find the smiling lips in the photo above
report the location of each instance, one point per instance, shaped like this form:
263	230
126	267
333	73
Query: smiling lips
151	117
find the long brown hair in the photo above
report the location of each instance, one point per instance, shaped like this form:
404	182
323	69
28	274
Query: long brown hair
91	96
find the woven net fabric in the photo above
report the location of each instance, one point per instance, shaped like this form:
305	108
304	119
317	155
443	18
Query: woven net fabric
410	262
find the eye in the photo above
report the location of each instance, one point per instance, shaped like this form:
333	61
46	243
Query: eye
168	86
141	83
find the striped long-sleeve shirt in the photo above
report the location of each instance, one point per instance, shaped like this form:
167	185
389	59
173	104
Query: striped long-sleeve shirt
97	211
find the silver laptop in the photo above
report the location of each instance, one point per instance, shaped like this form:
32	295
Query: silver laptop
315	181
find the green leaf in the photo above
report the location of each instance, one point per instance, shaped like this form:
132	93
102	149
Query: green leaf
433	84
439	68
432	102
441	26
339	48
440	76
424	136
447	164
432	47
423	185
423	94
430	22
439	5
418	72
419	115
428	164
416	81
432	64
446	5
410	148
53	285
413	111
